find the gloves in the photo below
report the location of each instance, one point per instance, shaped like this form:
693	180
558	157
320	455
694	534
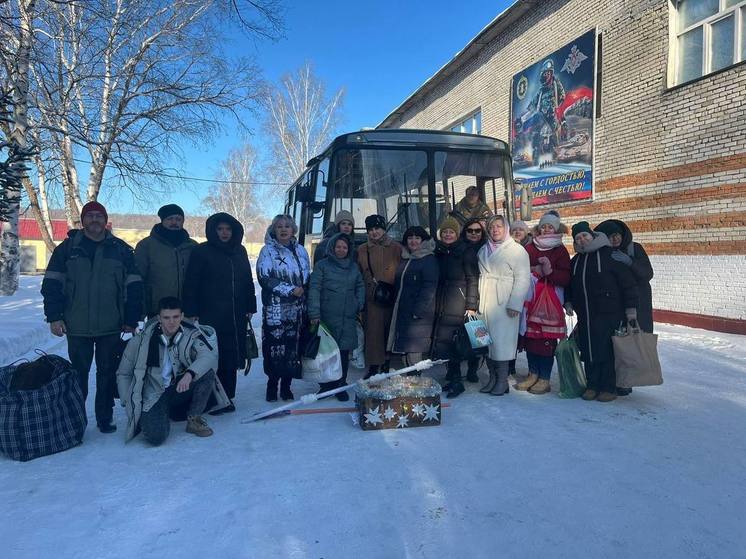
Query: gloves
537	270
568	309
546	265
622	257
631	314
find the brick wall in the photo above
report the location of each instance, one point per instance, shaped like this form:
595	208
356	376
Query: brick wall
671	162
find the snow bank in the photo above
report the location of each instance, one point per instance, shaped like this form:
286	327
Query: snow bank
22	325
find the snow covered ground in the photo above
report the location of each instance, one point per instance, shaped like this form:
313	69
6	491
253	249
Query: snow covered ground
657	474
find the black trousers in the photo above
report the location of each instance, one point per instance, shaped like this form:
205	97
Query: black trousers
601	376
81	351
228	380
344	355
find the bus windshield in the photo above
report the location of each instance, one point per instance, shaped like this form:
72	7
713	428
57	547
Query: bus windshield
395	184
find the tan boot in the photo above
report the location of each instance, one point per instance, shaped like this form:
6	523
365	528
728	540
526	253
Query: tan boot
541	387
528	383
606	397
589	394
198	426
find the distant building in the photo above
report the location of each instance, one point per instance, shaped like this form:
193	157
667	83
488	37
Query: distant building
647	124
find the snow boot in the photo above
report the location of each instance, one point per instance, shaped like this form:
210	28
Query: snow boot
589	394
530	380
456	388
487	388
198	426
272	389
606	397
623	391
541	387
501	385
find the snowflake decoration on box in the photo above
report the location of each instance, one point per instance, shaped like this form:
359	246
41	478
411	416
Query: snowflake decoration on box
431	413
403	421
418	409
389	414
374	417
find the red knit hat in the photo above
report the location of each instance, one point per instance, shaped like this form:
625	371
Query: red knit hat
93	207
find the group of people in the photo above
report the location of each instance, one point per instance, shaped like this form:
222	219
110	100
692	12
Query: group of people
411	297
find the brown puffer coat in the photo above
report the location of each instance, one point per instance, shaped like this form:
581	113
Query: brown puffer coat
385	255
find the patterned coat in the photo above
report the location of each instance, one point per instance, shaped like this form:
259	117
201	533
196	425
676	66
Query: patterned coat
280	269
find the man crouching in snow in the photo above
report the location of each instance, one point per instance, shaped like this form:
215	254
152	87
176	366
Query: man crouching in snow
170	363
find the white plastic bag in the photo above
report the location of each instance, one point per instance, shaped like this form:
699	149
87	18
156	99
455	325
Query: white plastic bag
327	366
358	354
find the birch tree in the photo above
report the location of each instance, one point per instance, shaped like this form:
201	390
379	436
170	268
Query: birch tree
300	120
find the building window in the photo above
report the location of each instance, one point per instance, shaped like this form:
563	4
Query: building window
709	36
471	125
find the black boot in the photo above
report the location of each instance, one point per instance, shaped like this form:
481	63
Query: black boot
385	367
106	426
453	375
456	388
272	389
471	372
372	370
285	393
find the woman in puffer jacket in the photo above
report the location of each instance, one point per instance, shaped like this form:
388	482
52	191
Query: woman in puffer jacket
335	297
550	268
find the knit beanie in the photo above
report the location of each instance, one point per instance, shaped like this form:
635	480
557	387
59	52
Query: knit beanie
518	224
168	210
375	221
581	227
344	215
93	207
450	222
609	228
551	218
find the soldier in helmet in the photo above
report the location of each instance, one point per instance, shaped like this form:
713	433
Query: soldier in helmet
550	96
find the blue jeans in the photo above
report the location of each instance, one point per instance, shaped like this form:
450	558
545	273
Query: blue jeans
540	364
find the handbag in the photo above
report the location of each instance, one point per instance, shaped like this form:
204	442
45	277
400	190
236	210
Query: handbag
384	293
252	349
636	358
462	347
571	373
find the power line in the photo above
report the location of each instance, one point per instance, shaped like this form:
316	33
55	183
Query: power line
198	179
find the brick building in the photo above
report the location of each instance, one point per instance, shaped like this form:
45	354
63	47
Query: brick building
669	134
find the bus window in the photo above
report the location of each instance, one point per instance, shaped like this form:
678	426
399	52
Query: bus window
322	176
456	171
392	183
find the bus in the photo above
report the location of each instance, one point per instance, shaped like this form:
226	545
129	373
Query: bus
410	177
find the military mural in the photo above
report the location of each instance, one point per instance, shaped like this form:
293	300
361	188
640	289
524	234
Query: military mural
552	124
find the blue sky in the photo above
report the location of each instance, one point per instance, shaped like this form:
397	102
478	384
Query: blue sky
379	51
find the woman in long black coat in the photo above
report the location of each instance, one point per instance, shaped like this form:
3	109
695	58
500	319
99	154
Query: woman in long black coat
416	284
219	291
458	294
603	293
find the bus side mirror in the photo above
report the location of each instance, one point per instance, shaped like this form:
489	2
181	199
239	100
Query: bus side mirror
527	200
303	193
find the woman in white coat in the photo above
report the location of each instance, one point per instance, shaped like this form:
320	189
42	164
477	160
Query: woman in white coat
504	281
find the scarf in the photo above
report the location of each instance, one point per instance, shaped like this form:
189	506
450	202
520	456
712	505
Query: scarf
174	238
548	242
153	359
425	249
599	240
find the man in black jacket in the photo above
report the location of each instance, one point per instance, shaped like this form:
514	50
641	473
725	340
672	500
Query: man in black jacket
92	293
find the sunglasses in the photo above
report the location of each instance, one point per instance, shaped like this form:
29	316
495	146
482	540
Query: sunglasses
474	231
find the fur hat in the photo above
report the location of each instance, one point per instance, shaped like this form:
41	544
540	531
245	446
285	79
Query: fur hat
344	215
450	222
94	207
375	221
581	227
168	210
552	218
518	224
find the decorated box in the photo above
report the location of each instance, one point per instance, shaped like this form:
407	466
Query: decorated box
399	402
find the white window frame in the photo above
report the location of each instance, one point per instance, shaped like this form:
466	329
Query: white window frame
738	11
471	120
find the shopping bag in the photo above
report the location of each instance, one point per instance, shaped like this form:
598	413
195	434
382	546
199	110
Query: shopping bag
309	342
358	354
327	365
461	345
545	317
571	374
636	358
252	349
479	336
